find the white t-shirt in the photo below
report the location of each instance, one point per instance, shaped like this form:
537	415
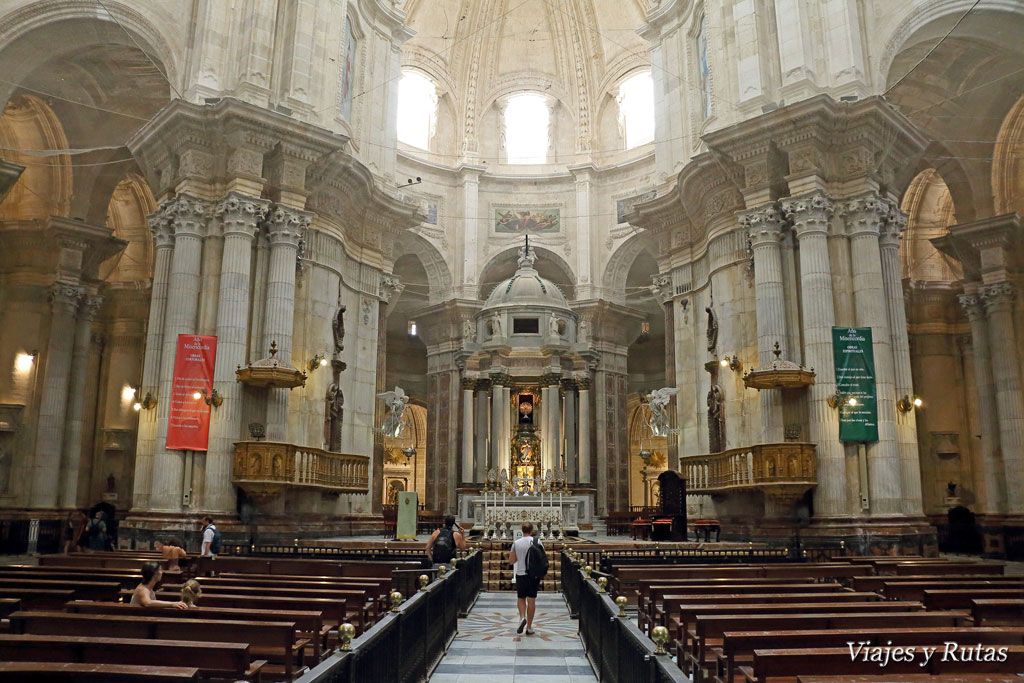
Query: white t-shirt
520	547
208	538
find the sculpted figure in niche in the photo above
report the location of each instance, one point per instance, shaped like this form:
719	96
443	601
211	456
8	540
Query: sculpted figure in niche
583	331
716	419
338	326
555	326
712	331
468	330
494	326
333	412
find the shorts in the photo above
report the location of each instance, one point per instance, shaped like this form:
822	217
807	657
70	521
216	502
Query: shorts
526	587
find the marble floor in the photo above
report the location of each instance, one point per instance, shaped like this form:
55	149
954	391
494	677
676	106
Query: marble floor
488	649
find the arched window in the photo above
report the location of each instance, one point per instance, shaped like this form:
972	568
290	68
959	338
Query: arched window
636	109
417	109
703	67
526	129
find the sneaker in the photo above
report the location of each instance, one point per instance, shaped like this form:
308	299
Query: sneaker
529	631
522	625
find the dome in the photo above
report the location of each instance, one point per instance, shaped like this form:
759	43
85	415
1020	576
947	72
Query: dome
526	288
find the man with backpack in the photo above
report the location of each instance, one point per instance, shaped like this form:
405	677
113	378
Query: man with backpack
97	532
211	538
531	564
444	541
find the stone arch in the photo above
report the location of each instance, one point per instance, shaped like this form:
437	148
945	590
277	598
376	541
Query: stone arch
45	187
1008	162
930	210
130	203
615	273
439	277
549	264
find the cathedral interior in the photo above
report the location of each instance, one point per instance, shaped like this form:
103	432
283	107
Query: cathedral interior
282	262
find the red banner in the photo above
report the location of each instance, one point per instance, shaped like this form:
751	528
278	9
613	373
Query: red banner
189	427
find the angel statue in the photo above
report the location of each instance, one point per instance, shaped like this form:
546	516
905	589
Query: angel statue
393	424
658	401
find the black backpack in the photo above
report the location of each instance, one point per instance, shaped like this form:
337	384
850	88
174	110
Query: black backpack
443	549
536	561
215	543
95	528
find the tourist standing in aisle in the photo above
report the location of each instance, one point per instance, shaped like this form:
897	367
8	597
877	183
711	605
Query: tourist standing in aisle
526	586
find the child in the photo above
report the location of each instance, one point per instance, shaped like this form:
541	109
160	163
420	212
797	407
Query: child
191	592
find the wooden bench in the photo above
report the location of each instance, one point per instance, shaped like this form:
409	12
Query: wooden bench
377	589
914	678
941	598
274	641
990	568
358	604
738	646
671	602
310	624
46	672
36	598
998	611
83	590
125	578
626	580
878	583
212	659
333	611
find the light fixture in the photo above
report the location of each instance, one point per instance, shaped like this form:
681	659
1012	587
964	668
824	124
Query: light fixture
211	399
733	363
198	395
409	454
23	361
129	393
835	400
851	401
147	402
317	361
906	404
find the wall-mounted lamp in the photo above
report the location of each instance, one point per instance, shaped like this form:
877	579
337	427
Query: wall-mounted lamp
733	363
23	362
837	399
906	404
317	361
147	402
409	454
211	399
410	181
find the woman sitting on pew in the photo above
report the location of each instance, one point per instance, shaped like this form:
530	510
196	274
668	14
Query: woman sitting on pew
172	551
191	592
144	595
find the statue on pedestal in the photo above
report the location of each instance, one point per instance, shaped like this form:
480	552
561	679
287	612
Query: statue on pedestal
396	401
658	401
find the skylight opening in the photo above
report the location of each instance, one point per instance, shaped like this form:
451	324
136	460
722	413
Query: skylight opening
526	129
417	109
636	109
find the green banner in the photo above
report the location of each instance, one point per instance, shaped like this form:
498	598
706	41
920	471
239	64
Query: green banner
855	379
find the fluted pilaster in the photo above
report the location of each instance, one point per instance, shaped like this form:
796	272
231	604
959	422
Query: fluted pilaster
583	386
468	459
481	418
71	461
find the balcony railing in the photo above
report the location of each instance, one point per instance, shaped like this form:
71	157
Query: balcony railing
789	468
267	468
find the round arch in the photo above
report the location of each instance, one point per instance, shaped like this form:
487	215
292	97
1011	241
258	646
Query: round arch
439	277
1008	162
45	187
130	204
621	262
930	210
550	265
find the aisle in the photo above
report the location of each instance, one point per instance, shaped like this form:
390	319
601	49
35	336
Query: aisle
488	650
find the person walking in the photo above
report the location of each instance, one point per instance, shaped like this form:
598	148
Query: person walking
97	532
526	585
444	542
211	538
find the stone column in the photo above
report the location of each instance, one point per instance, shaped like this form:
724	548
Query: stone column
481	417
998	299
810	214
864	216
286	227
584	461
163	238
72	459
764	229
239	217
467	430
993	498
569	429
188	218
64	300
497	410
470	238
552	425
906	423
505	435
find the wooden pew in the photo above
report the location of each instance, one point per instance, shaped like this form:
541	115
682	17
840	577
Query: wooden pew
915	678
8	606
877	583
45	672
998	611
671	602
941	598
359	604
274	641
378	588
709	629
738	646
775	664
333	610
83	590
212	659
126	579
36	598
991	568
626	580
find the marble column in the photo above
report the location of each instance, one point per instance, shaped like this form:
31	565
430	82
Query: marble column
505	435
810	214
864	216
468	460
64	301
286	227
764	229
552	427
497	410
239	218
188	218
71	461
163	238
906	423
583	384
998	299
569	425
481	417
993	486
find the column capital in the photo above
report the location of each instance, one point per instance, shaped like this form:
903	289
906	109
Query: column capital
865	214
568	384
389	286
162	228
662	287
287	226
583	383
501	379
764	225
482	384
972	306
894	227
810	213
89	307
998	297
550	379
66	296
187	215
240	214
468	383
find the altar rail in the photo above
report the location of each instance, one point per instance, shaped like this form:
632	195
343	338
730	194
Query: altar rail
266	468
790	465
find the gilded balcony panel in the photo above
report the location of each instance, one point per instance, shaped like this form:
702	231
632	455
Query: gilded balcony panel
264	469
780	470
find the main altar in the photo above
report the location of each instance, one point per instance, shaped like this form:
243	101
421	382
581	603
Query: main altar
526	455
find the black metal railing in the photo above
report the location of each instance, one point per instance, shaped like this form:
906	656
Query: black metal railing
471	582
406	645
615	646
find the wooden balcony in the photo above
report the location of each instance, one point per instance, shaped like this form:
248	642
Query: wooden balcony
265	469
780	470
